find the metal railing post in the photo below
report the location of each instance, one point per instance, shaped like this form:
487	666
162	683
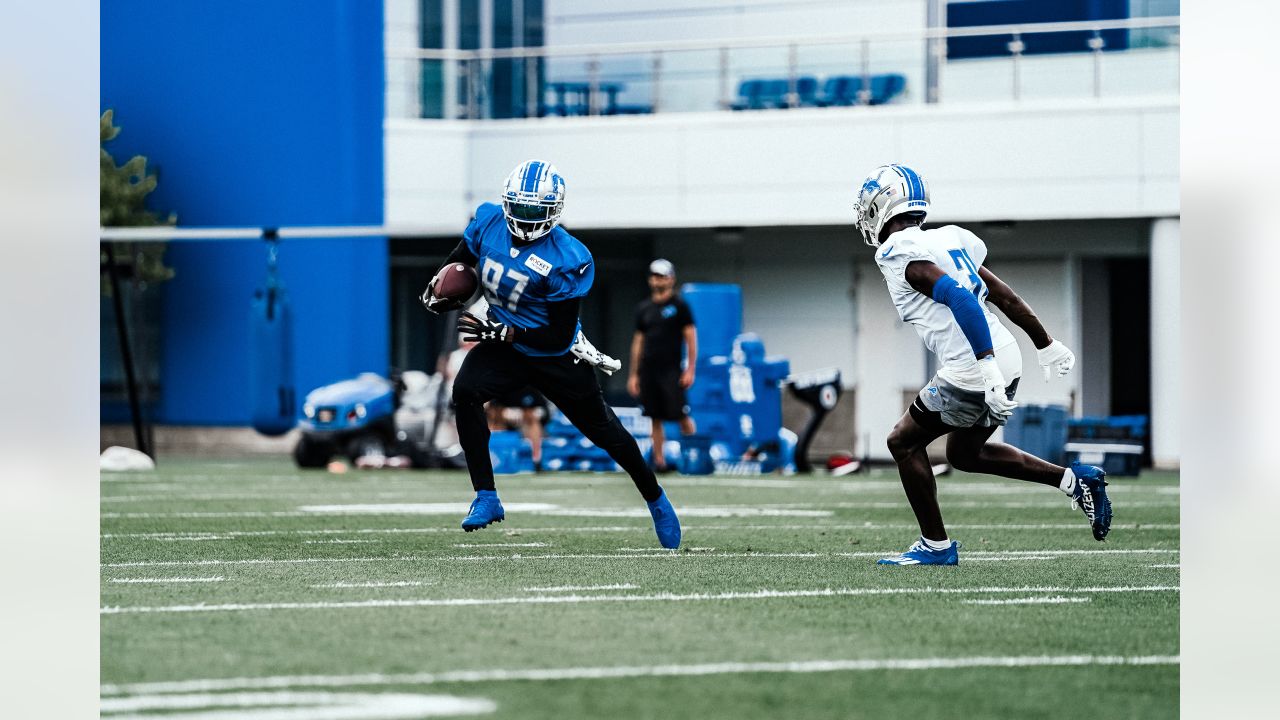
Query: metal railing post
793	80
725	100
1016	46
532	100
657	79
473	89
593	85
864	94
1096	43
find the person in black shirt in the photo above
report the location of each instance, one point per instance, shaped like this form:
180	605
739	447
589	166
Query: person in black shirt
663	323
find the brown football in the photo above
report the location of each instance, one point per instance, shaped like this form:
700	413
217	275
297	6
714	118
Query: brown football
455	284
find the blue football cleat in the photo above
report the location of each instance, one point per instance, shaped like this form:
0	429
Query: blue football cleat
485	509
665	522
1090	495
920	554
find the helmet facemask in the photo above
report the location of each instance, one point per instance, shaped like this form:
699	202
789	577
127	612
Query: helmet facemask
530	220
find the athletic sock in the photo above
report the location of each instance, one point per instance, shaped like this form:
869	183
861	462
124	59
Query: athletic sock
1068	484
935	545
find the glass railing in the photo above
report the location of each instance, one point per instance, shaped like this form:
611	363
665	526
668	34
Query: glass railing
1099	59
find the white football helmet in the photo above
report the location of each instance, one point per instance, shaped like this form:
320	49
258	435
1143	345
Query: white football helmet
889	191
533	199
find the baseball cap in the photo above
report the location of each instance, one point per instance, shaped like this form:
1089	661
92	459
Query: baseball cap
662	267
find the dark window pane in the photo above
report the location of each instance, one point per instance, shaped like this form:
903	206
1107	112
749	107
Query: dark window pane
431	20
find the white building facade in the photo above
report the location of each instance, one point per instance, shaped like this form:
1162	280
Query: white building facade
1075	190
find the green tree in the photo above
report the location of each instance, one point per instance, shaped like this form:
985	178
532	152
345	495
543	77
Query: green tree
122	203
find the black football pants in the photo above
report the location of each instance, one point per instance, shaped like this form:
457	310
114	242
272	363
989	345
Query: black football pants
494	369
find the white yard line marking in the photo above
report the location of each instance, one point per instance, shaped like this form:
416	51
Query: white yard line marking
396	583
458	508
294	705
338	541
547	509
572	588
668	554
1055	600
655	597
690	512
1008	559
158	581
499	544
601	673
221	535
1167	565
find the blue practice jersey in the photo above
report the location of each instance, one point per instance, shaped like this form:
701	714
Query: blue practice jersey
519	280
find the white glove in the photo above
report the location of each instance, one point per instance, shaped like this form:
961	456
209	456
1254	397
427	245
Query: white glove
588	353
993	388
1055	357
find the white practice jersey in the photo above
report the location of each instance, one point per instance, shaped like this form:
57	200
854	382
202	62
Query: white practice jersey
959	253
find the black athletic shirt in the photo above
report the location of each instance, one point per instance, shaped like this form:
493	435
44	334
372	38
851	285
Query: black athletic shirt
663	328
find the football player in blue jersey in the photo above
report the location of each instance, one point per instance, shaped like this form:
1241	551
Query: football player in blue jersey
534	275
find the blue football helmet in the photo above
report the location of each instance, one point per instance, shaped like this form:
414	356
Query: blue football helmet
888	191
533	199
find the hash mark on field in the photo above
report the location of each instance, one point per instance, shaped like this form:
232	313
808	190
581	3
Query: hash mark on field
338	541
499	544
1054	600
397	583
656	597
600	673
1167	565
570	588
167	580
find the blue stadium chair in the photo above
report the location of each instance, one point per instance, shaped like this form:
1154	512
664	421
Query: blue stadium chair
774	93
839	90
807	89
749	95
886	87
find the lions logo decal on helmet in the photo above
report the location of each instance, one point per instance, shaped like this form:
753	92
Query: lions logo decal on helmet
533	199
888	191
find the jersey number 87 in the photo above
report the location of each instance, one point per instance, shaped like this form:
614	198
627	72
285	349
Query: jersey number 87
491	277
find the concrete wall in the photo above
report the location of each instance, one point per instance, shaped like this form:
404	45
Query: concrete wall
1013	161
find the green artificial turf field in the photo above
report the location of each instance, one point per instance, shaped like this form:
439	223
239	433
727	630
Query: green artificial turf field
257	591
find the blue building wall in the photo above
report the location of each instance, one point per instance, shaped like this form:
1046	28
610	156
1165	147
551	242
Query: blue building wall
263	113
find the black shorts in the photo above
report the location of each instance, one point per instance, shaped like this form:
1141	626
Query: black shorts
503	374
525	397
661	395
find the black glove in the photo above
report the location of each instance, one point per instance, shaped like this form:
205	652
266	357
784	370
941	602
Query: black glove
482	330
435	304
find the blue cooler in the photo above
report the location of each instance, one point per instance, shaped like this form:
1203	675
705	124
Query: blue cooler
510	453
695	455
1040	430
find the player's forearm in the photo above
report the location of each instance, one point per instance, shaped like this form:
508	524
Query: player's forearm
461	254
1021	314
968	313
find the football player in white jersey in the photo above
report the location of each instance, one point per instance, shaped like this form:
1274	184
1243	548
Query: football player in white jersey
939	286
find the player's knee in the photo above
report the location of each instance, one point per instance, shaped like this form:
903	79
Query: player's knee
899	446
